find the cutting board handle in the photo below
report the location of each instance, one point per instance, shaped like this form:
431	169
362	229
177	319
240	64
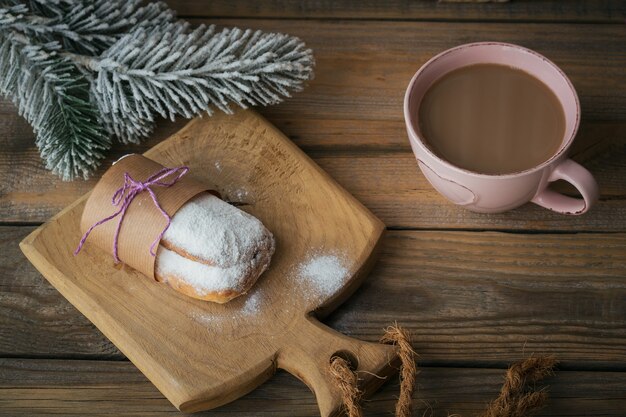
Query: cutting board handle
311	347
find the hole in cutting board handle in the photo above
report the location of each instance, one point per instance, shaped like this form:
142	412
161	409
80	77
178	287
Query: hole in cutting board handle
348	357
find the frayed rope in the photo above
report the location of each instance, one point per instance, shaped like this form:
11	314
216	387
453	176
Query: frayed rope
347	380
517	397
408	371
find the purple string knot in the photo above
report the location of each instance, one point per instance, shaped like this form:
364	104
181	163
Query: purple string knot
125	195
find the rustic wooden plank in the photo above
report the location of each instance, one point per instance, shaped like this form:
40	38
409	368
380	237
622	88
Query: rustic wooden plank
104	388
350	121
382	175
393	188
491	296
363	68
35	320
517	10
467	296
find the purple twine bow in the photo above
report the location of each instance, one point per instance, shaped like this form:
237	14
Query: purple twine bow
127	193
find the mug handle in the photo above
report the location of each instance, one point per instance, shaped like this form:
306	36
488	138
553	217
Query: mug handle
580	178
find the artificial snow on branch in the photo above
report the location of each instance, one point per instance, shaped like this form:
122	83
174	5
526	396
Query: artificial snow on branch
86	27
115	66
172	71
54	97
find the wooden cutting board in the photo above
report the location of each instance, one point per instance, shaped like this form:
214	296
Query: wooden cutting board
199	354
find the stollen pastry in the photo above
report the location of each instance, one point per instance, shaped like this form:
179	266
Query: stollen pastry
212	250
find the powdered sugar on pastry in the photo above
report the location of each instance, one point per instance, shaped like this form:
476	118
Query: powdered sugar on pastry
213	251
216	233
203	278
207	282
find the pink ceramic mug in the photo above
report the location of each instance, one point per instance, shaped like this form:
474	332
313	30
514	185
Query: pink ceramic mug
497	193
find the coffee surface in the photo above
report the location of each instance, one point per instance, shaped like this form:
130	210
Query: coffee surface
491	119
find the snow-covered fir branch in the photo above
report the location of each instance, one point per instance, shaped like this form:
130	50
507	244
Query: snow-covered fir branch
87	27
54	97
113	66
173	71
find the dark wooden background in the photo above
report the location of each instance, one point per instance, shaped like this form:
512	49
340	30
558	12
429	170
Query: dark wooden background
477	291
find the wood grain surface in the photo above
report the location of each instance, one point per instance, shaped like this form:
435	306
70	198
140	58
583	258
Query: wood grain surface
103	388
515	10
484	298
477	291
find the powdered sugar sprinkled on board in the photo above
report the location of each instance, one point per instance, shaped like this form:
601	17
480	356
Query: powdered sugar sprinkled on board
325	274
238	194
249	309
320	276
252	305
242	194
204	318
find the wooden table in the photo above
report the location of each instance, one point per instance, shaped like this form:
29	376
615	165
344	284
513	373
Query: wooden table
478	291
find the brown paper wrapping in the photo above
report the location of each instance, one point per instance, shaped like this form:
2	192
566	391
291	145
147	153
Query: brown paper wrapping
143	222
